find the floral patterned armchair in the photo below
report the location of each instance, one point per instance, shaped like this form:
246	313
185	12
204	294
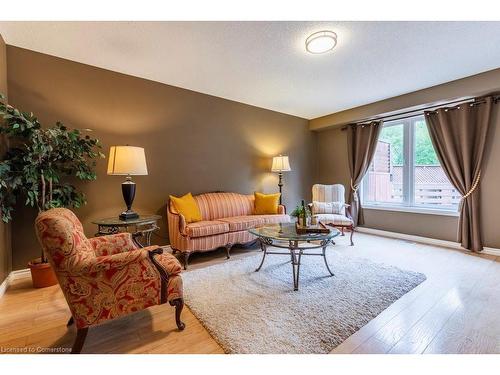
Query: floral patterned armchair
106	277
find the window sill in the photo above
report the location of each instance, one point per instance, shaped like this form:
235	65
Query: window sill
415	210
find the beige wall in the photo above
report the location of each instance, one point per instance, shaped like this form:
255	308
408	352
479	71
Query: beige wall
193	142
5	246
333	167
475	85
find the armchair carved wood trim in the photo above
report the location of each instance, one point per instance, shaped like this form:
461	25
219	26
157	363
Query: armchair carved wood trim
106	277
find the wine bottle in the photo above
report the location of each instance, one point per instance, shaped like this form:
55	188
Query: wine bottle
303	215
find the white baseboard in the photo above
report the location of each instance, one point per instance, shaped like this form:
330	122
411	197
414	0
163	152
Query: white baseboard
425	240
4	285
19	274
14	275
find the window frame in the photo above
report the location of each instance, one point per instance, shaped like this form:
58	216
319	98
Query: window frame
408	201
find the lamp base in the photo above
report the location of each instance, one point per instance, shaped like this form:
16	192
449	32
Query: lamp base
128	215
128	191
280	184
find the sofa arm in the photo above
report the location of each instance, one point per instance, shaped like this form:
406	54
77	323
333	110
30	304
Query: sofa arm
281	209
115	262
176	221
113	244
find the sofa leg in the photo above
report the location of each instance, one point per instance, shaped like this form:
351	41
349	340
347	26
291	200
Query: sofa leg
81	335
352	232
186	259
179	305
228	250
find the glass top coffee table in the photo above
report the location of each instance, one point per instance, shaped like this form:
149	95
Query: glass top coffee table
285	236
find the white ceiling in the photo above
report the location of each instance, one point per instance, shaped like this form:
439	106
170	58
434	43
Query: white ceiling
265	63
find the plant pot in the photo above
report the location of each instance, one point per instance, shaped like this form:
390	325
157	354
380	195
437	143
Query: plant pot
42	274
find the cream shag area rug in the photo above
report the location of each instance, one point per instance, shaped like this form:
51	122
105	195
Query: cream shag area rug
258	312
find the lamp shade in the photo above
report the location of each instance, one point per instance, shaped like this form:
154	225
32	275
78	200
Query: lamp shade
127	160
280	164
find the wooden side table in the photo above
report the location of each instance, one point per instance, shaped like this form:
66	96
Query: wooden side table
144	224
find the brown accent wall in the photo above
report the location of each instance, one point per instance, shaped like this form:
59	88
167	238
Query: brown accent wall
193	142
5	245
5	229
333	167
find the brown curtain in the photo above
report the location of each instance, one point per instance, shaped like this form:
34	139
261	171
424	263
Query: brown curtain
459	135
361	146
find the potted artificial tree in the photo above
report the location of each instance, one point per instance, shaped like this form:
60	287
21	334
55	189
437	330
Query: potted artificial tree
38	168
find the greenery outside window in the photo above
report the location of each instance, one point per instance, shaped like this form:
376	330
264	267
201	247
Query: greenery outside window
405	173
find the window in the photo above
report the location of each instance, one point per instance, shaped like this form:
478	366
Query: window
406	172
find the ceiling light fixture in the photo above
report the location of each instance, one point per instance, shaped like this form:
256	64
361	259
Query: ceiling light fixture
321	42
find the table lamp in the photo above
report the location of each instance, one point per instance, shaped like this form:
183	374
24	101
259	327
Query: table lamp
280	165
127	161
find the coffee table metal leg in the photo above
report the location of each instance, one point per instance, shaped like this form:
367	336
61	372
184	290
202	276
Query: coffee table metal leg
296	253
294	246
326	263
263	246
298	270
295	276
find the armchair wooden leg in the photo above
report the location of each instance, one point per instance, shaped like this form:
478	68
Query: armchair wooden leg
70	322
179	305
186	259
352	232
81	335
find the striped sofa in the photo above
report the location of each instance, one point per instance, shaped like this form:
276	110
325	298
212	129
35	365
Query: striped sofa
226	218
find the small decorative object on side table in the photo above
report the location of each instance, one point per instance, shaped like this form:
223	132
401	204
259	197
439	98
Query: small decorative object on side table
144	225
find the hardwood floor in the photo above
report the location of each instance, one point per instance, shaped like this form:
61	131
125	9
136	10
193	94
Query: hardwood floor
454	311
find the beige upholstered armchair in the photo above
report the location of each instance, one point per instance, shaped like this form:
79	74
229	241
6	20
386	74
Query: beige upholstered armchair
329	207
106	277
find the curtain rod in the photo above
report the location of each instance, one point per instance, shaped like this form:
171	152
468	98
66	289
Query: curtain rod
412	113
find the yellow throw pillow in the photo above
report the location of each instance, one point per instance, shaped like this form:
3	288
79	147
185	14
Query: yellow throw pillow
187	207
266	204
